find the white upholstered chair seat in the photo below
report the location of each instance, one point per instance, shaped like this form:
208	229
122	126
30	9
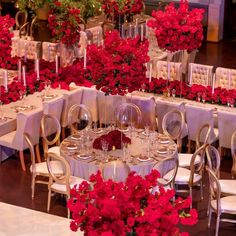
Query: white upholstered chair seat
62	187
55	149
185	159
182	176
227	204
228	186
41	168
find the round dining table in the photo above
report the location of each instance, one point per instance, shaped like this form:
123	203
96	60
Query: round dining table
144	151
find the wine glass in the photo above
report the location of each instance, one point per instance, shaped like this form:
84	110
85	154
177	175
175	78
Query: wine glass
173	93
47	86
204	97
22	97
105	145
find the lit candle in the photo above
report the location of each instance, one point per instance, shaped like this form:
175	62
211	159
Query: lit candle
213	84
24	77
19	70
25	55
37	68
57	63
5	80
150	72
122	32
99	41
141	32
130	31
85	58
146	29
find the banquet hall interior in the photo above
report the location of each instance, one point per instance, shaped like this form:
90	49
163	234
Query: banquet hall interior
98	97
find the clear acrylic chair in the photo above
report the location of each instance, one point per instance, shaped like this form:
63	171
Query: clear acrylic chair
128	114
79	118
173	124
219	204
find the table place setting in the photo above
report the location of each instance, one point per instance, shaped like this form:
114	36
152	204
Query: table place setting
22	108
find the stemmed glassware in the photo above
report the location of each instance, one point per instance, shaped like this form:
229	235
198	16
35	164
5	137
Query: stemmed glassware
47	87
105	145
22	97
2	115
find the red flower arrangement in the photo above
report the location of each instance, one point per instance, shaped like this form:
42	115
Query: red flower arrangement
178	28
106	208
64	20
6	61
122	7
114	138
119	67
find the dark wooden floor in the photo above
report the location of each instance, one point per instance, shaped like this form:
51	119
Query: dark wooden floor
15	184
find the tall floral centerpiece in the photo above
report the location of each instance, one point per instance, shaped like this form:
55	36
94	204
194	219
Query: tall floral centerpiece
121	10
118	67
107	208
178	28
64	22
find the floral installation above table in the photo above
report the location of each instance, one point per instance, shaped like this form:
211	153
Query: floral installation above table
115	68
178	28
107	208
114	139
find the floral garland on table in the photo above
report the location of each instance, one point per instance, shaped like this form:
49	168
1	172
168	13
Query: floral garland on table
220	96
108	208
64	20
178	28
122	7
118	67
6	61
114	138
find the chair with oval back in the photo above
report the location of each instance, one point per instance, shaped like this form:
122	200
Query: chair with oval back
51	131
219	204
228	186
163	167
128	114
233	154
39	169
203	134
63	183
173	124
79	118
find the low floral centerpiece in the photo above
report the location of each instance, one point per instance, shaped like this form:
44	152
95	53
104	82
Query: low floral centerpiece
115	139
107	208
178	28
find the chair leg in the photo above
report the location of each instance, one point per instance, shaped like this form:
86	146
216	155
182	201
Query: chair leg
33	185
209	217
191	195
49	199
217	225
201	186
63	133
38	153
22	160
189	146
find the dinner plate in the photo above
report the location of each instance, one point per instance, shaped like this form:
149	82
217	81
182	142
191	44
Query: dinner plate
75	136
162	151
98	131
164	140
143	158
83	156
71	146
